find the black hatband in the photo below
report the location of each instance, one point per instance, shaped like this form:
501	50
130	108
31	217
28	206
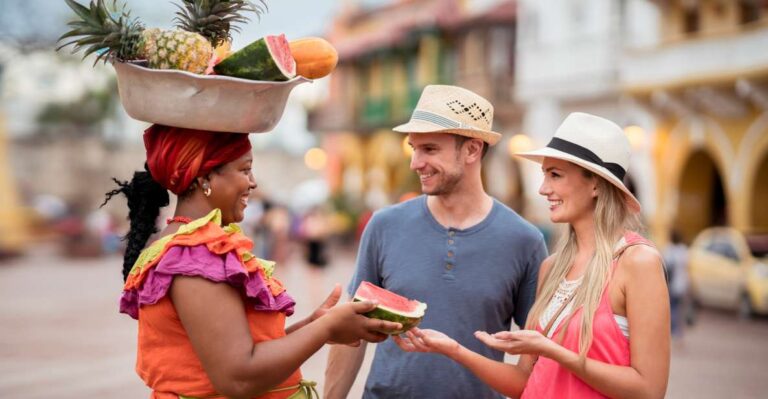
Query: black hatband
587	155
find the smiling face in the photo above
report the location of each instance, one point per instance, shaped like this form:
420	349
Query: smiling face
570	190
437	161
231	185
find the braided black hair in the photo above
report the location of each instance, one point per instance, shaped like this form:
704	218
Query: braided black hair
145	198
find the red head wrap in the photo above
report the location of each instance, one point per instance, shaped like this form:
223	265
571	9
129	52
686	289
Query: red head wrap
176	156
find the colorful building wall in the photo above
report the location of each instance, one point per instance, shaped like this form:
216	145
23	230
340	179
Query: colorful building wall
706	86
387	56
13	226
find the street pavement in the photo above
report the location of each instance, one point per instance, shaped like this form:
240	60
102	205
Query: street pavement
61	334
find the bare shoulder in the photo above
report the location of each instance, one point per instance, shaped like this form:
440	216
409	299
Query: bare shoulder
640	261
202	293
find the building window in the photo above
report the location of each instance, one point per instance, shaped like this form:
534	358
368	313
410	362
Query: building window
502	49
529	23
749	11
691	21
578	15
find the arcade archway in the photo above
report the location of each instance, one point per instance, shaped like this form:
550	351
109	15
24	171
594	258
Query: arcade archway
702	200
759	212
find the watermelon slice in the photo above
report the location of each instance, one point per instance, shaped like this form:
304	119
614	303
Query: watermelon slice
391	307
268	58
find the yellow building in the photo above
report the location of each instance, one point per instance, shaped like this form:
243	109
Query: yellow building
13	233
386	57
706	86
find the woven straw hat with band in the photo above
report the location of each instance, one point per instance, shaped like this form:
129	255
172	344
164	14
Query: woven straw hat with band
593	143
452	109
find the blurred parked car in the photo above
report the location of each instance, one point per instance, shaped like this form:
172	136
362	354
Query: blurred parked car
730	270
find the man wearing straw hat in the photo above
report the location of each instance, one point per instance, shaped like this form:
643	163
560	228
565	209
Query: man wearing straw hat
473	260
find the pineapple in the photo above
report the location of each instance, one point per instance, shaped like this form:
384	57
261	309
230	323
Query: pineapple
214	18
113	33
176	49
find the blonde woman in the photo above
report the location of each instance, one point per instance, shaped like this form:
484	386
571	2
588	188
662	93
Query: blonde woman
600	324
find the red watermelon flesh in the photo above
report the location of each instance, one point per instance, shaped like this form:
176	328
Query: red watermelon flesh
391	306
281	52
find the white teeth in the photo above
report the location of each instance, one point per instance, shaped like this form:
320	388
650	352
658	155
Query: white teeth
555	203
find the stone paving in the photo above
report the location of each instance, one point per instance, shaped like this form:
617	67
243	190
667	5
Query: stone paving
61	335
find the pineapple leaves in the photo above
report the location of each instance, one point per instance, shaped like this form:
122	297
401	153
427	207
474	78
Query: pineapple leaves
214	19
79	9
102	28
106	29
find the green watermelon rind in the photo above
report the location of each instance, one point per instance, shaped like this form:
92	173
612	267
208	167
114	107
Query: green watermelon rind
255	62
408	322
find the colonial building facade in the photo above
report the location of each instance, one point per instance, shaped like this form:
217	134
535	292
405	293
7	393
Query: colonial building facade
704	85
387	56
688	80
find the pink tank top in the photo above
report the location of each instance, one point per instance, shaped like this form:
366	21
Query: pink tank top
550	380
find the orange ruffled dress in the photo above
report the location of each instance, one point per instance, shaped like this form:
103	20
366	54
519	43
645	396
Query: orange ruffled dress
166	360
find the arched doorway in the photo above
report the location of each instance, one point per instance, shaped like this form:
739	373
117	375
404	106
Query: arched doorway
759	214
702	200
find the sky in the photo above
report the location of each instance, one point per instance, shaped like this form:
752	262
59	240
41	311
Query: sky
43	21
295	18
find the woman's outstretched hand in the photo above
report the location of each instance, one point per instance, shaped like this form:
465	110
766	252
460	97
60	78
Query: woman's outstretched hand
523	342
348	326
430	341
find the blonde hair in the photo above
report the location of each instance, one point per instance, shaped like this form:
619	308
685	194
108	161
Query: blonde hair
612	217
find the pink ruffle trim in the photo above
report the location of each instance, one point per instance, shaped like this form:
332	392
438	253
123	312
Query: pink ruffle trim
199	261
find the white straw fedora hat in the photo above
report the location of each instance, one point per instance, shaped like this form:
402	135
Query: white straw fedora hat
452	109
593	143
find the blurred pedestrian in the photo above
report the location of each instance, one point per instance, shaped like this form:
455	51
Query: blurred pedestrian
473	260
602	289
277	221
211	315
100	224
315	232
676	261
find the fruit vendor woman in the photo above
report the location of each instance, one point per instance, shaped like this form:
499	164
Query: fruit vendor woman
470	258
212	316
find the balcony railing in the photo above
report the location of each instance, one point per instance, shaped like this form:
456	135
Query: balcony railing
696	60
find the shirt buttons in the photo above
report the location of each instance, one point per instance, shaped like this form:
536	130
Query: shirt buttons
448	266
450	254
451	233
450	242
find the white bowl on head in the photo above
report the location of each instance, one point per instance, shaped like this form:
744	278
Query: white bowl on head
205	102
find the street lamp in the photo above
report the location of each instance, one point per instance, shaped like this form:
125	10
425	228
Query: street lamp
519	143
636	136
315	158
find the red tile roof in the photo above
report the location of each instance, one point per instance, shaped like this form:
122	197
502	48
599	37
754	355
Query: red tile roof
389	26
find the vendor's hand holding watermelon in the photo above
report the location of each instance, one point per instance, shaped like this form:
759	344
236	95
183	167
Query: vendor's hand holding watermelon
346	324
